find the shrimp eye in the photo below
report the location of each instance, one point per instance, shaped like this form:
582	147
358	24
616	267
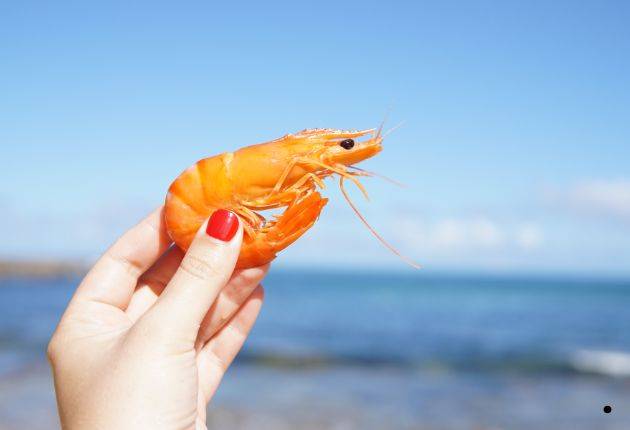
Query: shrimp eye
347	143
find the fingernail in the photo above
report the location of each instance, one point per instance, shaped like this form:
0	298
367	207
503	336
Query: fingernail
222	225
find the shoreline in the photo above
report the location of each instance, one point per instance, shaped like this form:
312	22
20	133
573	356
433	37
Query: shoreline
18	268
40	269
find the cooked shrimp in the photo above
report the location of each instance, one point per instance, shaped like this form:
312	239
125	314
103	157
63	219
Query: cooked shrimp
285	172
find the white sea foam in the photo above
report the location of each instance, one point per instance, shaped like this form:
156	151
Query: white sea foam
611	363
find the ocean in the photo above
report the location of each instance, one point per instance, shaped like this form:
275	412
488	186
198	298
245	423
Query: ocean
350	350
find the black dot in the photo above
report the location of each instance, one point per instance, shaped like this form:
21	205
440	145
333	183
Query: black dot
607	409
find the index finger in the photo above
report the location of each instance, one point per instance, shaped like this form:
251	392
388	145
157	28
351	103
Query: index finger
113	278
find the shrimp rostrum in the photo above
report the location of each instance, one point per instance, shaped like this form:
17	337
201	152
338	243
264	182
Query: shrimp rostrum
285	172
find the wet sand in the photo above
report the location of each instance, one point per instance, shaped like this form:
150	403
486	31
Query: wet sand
264	399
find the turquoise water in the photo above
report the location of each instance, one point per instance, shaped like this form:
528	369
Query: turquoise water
393	351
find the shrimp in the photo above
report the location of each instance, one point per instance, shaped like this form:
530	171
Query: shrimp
286	172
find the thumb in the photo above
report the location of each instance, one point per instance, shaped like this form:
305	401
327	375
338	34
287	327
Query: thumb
203	272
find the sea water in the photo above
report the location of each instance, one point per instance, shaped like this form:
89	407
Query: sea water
384	350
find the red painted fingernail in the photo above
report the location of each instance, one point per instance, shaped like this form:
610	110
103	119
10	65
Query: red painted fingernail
222	225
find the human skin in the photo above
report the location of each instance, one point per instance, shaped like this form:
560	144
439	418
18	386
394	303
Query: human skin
150	332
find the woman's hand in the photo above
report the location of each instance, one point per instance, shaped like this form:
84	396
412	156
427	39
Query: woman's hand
150	332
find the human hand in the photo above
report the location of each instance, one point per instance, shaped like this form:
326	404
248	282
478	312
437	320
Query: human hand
150	331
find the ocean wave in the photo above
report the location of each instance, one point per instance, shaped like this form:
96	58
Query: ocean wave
609	363
588	363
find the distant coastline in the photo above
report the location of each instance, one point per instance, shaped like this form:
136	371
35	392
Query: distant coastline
34	269
40	269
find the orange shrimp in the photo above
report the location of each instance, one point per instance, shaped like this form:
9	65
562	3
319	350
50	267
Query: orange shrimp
285	172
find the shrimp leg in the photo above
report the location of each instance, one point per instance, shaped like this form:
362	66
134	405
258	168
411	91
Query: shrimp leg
299	216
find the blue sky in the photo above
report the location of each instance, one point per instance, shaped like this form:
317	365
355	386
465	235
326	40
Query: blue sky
515	146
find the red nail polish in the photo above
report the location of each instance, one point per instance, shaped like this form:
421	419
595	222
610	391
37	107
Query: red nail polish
222	225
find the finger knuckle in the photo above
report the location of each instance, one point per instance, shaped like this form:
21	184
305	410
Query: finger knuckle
218	363
251	276
200	268
154	332
260	291
132	268
223	316
155	283
53	350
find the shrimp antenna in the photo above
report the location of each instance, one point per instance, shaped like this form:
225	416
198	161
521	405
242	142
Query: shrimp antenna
364	221
380	127
397	126
364	172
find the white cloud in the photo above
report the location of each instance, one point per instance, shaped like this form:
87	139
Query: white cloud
81	234
486	233
608	197
529	236
447	233
470	234
452	232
